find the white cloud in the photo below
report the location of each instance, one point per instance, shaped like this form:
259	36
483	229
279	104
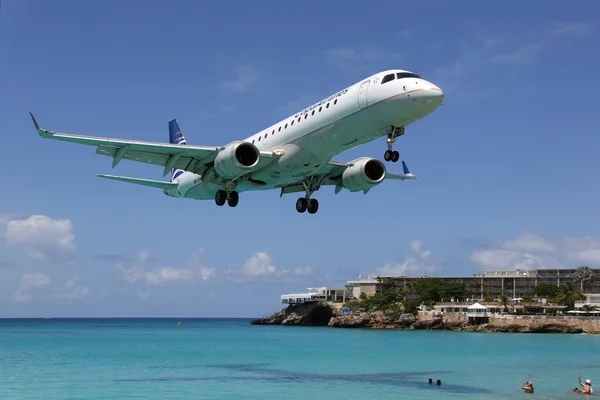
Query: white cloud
73	291
244	77
356	59
520	55
259	263
573	29
42	237
417	263
528	241
531	251
139	272
258	267
29	282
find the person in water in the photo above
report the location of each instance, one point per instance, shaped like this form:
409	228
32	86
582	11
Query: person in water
430	381
527	387
586	387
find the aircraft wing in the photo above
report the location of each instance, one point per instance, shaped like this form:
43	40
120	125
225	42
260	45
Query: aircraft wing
138	181
331	174
191	158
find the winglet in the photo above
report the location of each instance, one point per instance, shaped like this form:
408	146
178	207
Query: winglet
43	133
407	173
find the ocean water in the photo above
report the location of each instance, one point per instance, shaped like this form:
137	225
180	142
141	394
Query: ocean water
231	359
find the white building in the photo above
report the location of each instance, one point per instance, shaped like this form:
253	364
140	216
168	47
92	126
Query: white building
591	300
318	294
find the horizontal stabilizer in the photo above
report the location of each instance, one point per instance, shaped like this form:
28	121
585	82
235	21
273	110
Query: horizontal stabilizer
144	182
406	175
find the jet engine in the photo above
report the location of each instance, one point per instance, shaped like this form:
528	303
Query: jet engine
364	174
238	158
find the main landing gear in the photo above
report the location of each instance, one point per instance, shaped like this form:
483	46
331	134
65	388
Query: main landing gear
232	198
306	203
392	155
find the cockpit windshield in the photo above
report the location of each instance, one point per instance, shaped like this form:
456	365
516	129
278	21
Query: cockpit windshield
399	75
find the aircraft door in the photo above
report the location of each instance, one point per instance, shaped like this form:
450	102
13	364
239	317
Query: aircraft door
362	95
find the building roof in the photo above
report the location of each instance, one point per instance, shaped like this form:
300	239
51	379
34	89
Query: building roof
477	306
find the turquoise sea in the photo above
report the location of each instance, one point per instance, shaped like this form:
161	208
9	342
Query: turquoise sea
231	359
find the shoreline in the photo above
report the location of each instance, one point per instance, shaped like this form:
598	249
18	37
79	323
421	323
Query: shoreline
329	314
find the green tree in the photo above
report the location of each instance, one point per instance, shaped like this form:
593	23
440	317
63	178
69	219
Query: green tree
569	295
504	301
429	289
546	290
455	289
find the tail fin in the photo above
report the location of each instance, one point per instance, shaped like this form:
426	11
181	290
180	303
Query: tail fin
175	134
175	137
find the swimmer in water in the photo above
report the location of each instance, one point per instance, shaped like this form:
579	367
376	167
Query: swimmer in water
527	387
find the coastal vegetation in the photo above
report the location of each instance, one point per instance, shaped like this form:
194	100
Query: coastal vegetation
429	291
424	291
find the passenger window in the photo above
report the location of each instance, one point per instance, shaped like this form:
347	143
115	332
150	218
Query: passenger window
292	123
272	133
252	141
259	138
327	106
387	78
279	129
313	113
335	102
266	134
320	108
299	118
285	127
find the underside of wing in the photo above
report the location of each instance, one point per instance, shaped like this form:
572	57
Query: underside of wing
361	174
139	181
196	159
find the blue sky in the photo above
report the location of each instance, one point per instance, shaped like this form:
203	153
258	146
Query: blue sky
507	166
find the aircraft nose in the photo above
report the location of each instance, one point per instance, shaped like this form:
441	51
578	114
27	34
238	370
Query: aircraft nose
433	96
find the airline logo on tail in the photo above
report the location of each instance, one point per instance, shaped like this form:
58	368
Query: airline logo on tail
175	137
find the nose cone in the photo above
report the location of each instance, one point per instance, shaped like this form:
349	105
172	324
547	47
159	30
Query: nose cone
433	96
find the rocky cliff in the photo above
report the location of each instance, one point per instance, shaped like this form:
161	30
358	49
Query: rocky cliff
538	324
326	314
307	314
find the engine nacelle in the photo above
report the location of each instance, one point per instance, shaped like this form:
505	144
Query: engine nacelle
363	174
238	158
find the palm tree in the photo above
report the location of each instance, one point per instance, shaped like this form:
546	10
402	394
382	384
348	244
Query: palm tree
568	295
504	302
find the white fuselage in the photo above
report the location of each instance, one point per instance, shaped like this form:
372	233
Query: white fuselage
309	138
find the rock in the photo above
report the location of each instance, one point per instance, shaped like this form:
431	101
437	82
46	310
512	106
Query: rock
356	319
428	323
306	314
406	320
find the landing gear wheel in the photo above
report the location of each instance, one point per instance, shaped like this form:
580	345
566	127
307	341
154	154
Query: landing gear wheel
301	204
233	199
391	155
220	197
313	206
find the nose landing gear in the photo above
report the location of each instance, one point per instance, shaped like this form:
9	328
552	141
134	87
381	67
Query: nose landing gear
390	154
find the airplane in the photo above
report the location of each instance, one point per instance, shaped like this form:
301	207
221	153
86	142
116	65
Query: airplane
293	155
